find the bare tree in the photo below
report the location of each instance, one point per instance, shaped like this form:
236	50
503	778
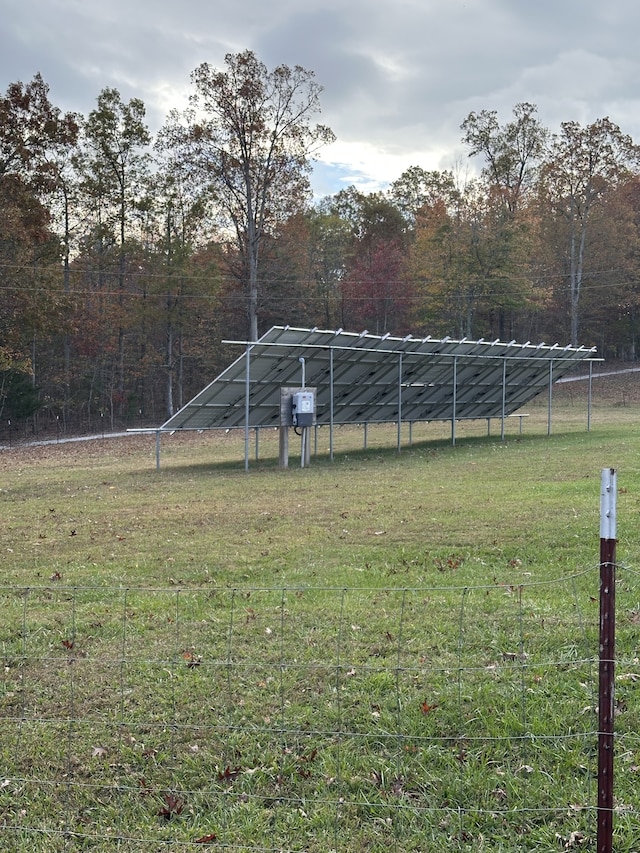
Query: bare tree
248	137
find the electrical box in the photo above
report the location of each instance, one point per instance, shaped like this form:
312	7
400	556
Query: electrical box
302	408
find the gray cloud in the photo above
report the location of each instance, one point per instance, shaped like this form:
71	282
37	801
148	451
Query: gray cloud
399	76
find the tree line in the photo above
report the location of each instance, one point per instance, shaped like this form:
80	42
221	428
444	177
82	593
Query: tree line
126	259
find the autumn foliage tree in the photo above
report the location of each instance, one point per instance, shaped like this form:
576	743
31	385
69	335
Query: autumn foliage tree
584	166
32	306
376	293
511	154
113	167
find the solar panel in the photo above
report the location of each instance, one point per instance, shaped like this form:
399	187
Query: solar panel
364	378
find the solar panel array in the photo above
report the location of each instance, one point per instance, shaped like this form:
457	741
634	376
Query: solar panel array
363	378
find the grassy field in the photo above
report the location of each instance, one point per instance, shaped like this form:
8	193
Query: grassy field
387	651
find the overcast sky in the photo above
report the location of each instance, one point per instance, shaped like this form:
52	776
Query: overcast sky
399	76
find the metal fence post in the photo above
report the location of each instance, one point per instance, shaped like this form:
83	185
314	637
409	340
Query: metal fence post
608	492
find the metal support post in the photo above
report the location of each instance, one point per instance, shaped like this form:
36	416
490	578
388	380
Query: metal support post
331	404
504	398
399	433
606	678
454	401
589	396
247	407
550	400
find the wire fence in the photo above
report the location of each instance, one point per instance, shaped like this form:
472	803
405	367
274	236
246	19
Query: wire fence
309	719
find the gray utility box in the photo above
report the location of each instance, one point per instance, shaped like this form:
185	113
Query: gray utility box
303	408
297	406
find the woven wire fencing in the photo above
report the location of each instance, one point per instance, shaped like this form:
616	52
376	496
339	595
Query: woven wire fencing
313	719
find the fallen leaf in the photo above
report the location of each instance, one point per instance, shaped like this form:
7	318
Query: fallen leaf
191	659
173	806
574	840
228	775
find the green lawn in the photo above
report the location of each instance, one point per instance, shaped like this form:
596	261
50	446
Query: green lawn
386	651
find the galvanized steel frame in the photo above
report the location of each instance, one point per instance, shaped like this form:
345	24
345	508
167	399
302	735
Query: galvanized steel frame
366	379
